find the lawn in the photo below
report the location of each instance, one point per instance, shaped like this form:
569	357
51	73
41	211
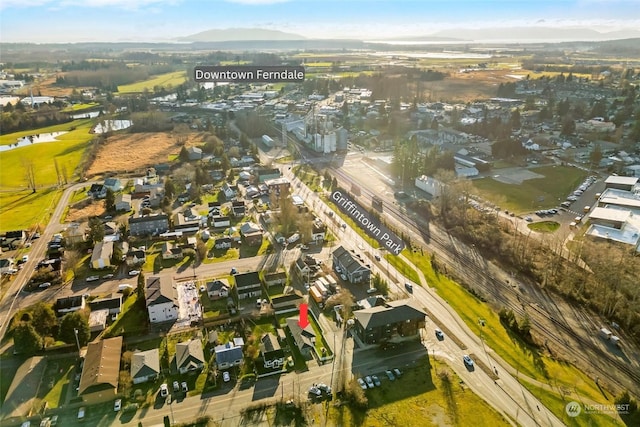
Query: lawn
131	321
77	125
59	374
420	397
19	207
80	107
532	194
403	268
212	308
173	79
544	226
557	404
322	342
526	359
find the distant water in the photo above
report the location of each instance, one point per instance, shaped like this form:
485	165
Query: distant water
32	139
111	126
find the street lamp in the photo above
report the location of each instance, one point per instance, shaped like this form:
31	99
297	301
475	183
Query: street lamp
75	332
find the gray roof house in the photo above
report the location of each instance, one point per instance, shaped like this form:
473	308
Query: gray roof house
392	320
148	225
145	366
351	266
189	356
161	299
304	338
228	355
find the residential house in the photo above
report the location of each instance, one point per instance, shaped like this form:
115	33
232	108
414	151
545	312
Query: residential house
75	234
110	228
229	190
305	338
271	352
194	153
223	243
248	285
69	304
15	238
220	222
189	356
123	202
395	319
98	320
161	299
148	225
145	366
186	222
352	266
216	175
136	257
100	372
277	185
113	184
101	255
238	208
251	233
171	251
217	289
287	303
215	209
228	355
318	231
112	304
307	266
277	278
97	191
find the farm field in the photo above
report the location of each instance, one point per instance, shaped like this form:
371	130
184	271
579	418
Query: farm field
538	193
19	207
130	152
169	79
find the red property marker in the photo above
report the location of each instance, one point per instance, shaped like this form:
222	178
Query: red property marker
303	321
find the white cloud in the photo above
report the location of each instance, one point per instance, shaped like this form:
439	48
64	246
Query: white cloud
122	4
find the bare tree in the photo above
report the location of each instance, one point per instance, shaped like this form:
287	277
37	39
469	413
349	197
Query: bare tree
29	174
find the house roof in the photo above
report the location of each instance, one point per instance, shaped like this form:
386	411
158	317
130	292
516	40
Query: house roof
228	353
145	363
189	353
392	312
111	182
245	280
123	198
106	303
250	227
148	218
69	302
293	298
102	250
159	290
101	365
348	261
216	285
275	276
303	337
269	343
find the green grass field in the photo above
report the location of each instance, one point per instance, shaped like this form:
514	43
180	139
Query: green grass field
19	207
80	107
422	396
532	194
544	226
526	359
174	79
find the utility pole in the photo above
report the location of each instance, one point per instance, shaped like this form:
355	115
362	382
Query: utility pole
75	332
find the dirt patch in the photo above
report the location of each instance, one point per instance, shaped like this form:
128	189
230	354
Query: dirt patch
466	87
83	211
516	175
135	151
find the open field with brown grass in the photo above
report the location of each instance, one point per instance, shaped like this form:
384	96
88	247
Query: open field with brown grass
463	87
134	151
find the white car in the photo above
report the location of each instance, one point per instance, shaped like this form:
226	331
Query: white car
376	380
363	385
118	405
164	390
92	278
134	272
439	334
226	377
108	276
467	361
369	381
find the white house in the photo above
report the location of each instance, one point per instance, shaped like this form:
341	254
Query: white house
161	299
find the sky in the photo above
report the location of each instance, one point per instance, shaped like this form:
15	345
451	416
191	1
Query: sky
57	21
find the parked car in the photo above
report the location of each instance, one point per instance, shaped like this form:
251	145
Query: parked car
124	286
164	390
176	386
363	385
185	387
397	372
226	377
376	380
390	375
134	272
81	413
324	388
439	334
372	290
369	381
92	278
117	405
409	287
44	285
234	271
53	421
315	391
108	276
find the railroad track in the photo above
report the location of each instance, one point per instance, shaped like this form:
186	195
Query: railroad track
471	272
